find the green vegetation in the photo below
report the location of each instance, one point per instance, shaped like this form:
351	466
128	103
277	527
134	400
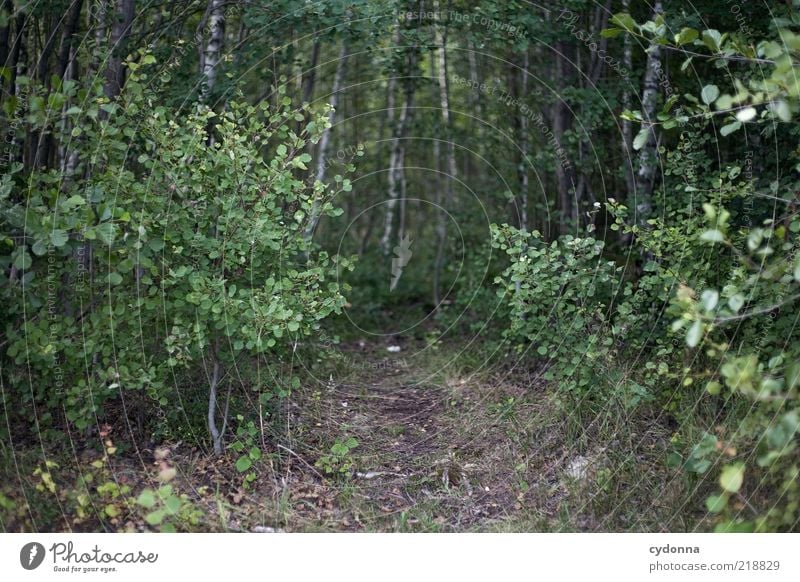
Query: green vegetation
435	266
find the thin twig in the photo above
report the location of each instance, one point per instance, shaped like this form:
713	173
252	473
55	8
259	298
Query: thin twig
302	460
757	311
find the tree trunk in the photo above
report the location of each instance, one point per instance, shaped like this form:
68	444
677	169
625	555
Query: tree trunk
213	50
325	139
474	103
18	68
5	31
397	153
213	384
442	218
120	31
645	176
43	62
524	143
562	122
97	18
65	51
311	74
627	125
584	192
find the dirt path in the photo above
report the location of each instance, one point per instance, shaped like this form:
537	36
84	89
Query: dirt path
434	453
395	443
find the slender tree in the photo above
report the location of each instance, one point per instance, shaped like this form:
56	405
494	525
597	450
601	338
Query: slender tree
325	141
646	174
440	33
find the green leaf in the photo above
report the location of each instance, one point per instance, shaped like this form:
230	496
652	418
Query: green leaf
716	503
243	464
155	517
114	278
674	460
713	235
641	138
712	39
624	21
669	104
39	248
73	202
739	526
781	110
146	499
106	232
611	32
736	302
173	504
731	477
709	94
730	128
23	260
686	35
709	299
59	237
694	334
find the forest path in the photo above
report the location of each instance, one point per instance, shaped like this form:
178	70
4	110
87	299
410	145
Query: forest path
436	451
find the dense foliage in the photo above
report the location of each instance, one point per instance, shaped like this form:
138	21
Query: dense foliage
604	194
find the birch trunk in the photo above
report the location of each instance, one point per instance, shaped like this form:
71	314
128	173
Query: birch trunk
645	176
627	126
210	56
397	156
524	146
325	139
441	223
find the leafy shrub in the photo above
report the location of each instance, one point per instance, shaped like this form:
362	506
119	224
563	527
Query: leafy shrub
749	335
560	294
175	244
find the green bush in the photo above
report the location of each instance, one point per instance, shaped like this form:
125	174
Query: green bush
173	251
559	294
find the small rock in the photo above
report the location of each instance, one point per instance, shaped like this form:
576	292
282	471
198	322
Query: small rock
578	468
393	349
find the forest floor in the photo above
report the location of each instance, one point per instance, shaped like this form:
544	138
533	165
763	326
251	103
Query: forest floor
443	450
434	453
439	447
